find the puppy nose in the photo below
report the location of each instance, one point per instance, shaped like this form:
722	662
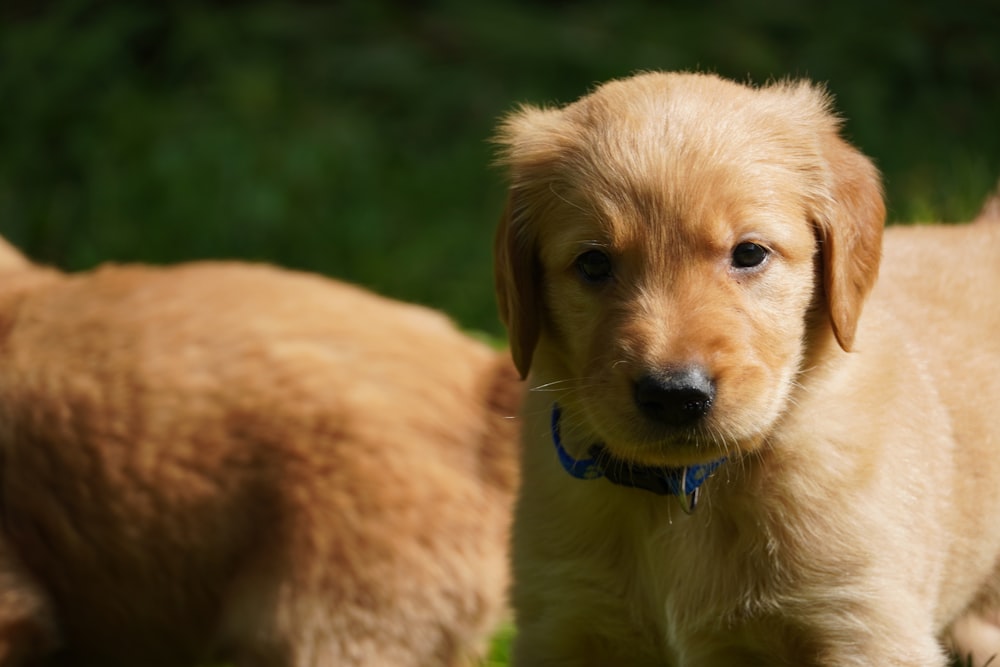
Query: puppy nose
676	398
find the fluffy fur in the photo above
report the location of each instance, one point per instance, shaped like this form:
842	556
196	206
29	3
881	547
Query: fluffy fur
856	521
991	209
237	463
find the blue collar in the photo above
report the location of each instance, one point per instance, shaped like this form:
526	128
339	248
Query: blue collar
682	482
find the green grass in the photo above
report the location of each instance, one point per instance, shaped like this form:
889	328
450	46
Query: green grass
352	138
499	653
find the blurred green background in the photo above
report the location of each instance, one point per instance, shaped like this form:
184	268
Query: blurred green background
352	138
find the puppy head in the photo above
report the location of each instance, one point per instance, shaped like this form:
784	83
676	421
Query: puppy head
658	256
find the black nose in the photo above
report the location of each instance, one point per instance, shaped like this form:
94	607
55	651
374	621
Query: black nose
675	398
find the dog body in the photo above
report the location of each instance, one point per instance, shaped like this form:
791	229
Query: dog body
853	517
233	462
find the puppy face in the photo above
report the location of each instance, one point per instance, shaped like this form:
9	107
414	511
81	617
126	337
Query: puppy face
664	242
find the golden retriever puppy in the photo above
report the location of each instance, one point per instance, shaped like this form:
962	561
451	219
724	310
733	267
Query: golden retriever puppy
246	465
740	449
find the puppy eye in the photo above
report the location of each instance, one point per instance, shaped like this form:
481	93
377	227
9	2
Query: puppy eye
748	255
594	266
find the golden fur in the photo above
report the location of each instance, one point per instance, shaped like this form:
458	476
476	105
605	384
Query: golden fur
857	517
233	462
991	209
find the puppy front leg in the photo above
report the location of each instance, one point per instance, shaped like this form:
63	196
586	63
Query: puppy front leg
877	630
890	628
975	637
875	652
915	652
892	636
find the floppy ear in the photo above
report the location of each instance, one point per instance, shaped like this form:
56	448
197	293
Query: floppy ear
849	220
532	141
517	277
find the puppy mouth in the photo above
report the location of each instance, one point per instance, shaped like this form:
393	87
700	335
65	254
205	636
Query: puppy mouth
655	447
666	422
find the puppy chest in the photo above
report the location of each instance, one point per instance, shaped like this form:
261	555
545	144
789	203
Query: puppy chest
705	596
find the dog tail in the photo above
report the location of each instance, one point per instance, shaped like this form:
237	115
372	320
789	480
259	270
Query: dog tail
990	213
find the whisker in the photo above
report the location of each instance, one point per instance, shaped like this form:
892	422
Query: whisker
548	385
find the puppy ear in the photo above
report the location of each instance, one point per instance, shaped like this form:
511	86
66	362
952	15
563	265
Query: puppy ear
850	219
531	142
517	278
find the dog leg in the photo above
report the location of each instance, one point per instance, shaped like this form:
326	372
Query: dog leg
975	639
869	652
884	633
891	645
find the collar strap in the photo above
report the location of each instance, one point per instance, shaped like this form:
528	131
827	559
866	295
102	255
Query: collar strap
682	482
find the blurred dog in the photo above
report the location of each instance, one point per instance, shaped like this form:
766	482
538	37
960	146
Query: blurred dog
682	267
232	462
